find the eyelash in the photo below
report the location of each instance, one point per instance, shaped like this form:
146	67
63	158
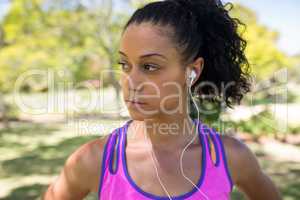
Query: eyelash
122	64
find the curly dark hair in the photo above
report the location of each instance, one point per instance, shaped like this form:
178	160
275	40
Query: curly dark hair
203	28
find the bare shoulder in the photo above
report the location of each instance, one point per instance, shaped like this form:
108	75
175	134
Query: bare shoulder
86	161
246	171
239	156
80	174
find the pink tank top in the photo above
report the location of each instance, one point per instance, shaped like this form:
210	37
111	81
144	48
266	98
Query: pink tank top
214	183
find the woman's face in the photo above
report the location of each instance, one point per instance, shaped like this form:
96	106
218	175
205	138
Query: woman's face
151	72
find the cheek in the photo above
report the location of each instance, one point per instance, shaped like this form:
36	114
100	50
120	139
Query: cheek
172	91
165	91
172	95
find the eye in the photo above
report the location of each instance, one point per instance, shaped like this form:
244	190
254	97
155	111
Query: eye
147	66
122	65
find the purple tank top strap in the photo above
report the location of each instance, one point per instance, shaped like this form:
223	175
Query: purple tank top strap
223	158
113	143
108	148
117	145
212	135
217	143
205	133
114	151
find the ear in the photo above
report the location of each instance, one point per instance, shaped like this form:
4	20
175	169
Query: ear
197	65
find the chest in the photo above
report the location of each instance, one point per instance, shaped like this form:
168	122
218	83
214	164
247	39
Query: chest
145	171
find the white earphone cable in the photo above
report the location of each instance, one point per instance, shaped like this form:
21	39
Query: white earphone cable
156	170
203	149
181	156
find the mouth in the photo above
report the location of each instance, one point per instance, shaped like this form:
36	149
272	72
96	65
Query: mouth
135	102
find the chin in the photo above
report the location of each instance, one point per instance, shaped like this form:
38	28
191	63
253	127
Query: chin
138	115
135	115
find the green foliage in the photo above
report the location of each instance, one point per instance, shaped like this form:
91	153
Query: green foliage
84	41
294	129
74	40
263	54
209	112
260	124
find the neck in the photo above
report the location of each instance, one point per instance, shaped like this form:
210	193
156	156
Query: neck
167	133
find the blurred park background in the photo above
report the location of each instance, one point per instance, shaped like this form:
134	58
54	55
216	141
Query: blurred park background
57	90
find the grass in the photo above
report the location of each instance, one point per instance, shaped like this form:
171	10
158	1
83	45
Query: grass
33	154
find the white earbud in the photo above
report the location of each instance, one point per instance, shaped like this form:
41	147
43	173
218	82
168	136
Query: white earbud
192	76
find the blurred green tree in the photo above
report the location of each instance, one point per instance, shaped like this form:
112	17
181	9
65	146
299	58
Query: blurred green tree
56	36
82	39
262	51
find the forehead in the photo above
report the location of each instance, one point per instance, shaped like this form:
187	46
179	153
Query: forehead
145	37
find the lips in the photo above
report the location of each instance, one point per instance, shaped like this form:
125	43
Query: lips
135	102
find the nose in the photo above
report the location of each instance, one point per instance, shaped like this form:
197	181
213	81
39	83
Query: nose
135	80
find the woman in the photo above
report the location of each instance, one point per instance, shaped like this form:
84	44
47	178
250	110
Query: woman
167	49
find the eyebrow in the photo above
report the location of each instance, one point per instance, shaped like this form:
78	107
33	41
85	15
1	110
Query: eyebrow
147	55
